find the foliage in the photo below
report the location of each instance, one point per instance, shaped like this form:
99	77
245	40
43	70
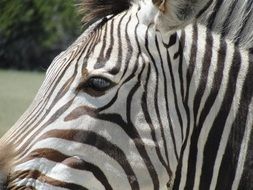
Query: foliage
33	32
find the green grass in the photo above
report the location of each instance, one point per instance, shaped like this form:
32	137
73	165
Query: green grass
17	90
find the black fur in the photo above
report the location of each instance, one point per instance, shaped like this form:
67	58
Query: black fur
94	10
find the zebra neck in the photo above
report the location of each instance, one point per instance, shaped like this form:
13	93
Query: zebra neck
215	75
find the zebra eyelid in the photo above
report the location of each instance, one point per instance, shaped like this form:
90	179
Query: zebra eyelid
95	85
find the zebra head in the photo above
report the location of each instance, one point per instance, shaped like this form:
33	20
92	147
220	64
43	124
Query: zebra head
112	112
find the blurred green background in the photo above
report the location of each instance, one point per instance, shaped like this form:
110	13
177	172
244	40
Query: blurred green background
17	90
32	33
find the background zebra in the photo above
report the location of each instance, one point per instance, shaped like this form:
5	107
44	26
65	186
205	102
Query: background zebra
132	105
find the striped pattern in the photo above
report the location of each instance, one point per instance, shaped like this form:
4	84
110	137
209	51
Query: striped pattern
232	19
178	114
218	97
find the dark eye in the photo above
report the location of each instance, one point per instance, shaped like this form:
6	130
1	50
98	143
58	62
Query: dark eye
99	83
95	86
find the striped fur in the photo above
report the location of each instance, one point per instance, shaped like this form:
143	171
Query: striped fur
232	19
7	156
176	115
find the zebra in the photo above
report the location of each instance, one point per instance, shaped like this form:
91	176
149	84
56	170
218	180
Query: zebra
153	95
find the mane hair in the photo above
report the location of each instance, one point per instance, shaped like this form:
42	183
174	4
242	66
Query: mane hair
233	19
94	10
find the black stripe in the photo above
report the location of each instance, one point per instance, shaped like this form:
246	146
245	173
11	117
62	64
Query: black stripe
181	62
168	109
231	155
226	25
206	63
215	134
173	40
190	71
101	54
216	84
153	63
111	44
80	164
192	61
197	99
119	63
212	17
91	41
174	90
129	47
167	166
101	143
202	11
247	175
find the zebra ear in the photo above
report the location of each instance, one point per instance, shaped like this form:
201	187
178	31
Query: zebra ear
176	14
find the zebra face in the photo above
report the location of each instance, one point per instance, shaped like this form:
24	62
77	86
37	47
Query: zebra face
100	118
112	112
130	105
116	92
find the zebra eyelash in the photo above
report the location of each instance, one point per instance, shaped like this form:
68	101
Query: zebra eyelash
99	83
95	85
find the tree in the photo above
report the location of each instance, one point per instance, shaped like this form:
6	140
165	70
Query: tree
33	32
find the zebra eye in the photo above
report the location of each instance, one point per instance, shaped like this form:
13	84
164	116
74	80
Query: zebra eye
95	86
99	84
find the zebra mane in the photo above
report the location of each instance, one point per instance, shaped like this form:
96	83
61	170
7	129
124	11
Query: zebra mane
233	19
94	10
